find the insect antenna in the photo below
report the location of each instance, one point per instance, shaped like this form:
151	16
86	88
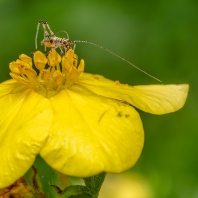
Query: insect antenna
78	41
56	42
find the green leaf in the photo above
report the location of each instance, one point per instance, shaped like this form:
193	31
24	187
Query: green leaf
45	177
94	183
75	191
84	195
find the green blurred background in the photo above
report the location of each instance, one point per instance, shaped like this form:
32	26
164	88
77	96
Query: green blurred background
160	37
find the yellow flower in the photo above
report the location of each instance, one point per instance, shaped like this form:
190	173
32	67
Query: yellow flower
81	124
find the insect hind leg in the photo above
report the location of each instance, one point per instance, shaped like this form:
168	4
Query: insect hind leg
64	32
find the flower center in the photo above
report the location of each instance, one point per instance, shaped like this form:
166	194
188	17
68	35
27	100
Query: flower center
51	78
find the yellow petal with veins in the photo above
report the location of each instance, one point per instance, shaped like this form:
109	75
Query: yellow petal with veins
156	99
10	87
25	121
90	134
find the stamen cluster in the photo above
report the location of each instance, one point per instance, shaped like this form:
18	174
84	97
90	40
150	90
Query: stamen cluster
53	77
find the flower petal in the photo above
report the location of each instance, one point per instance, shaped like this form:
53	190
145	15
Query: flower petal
11	86
91	134
156	99
24	126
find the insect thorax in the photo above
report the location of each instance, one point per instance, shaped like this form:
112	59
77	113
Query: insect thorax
56	42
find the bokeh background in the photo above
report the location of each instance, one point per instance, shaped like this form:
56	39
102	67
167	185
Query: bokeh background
160	37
